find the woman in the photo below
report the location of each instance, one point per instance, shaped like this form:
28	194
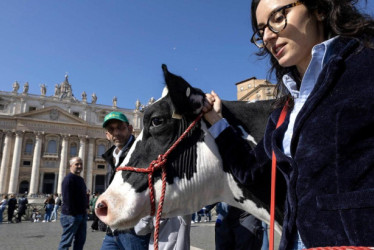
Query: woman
58	203
321	52
3	204
49	203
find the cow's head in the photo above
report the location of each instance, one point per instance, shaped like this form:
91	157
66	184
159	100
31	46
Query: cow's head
126	199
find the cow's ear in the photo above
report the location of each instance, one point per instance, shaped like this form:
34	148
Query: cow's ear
186	99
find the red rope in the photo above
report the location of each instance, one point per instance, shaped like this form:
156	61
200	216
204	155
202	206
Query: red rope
153	166
273	181
342	248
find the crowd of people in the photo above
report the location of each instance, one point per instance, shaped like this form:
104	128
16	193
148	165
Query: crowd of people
18	210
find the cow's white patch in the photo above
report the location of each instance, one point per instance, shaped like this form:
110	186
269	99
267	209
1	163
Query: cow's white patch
188	92
247	136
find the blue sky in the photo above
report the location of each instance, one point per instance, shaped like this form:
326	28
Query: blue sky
116	47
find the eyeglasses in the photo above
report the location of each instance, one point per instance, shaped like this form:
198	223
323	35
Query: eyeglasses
276	23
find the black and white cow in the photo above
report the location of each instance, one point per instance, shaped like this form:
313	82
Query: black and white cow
195	174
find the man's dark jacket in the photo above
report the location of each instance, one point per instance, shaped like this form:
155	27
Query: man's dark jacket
330	177
108	157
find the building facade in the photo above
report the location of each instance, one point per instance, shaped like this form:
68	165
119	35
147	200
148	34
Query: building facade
40	133
253	89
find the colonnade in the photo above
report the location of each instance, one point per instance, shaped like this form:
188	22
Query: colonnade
14	155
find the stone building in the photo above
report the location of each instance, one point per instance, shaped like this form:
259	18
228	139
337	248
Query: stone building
40	133
253	89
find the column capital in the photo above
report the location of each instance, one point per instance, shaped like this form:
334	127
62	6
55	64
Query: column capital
83	138
8	132
19	132
65	136
38	134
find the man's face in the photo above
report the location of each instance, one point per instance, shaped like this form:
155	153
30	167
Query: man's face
77	167
118	133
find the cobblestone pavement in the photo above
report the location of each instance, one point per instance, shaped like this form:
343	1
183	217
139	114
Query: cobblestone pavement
40	236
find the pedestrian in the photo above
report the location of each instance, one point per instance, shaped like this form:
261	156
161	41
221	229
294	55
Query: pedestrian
322	54
118	130
174	233
22	206
12	203
49	204
3	204
73	213
58	202
95	223
237	229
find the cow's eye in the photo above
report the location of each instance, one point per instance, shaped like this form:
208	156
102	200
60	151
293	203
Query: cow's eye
157	121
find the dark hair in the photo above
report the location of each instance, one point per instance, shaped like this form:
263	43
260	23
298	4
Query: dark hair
341	18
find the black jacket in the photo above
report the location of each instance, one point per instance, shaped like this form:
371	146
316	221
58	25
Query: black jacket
330	177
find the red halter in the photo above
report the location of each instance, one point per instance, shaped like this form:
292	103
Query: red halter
153	166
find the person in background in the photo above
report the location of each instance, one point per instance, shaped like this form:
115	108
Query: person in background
12	203
174	233
95	223
322	54
58	202
237	229
3	204
73	217
22	206
49	204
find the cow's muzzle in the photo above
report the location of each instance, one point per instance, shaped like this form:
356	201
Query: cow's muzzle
101	209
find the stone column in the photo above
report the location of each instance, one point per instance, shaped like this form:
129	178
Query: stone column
82	152
63	160
35	165
5	162
14	172
55	183
90	160
41	179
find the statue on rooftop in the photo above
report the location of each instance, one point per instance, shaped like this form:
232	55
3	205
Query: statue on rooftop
94	98
15	87
26	88
43	89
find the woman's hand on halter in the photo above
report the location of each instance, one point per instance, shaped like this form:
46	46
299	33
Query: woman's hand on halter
212	108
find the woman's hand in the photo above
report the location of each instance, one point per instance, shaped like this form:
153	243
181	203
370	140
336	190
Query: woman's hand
212	108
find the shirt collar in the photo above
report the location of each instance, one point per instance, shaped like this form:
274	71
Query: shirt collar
325	49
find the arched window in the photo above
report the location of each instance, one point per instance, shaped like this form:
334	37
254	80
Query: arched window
29	145
73	149
101	150
52	147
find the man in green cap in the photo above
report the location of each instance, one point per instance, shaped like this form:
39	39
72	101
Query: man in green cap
118	130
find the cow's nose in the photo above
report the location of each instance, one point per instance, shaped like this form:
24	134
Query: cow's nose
101	208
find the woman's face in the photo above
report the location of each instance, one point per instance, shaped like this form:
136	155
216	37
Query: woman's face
293	45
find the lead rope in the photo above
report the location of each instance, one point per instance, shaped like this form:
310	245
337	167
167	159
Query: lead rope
272	198
273	181
153	166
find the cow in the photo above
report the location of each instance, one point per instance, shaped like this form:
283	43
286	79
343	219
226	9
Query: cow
196	175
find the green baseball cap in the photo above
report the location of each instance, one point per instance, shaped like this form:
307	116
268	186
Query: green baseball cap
114	116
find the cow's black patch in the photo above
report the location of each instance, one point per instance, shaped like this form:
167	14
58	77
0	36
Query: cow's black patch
159	133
